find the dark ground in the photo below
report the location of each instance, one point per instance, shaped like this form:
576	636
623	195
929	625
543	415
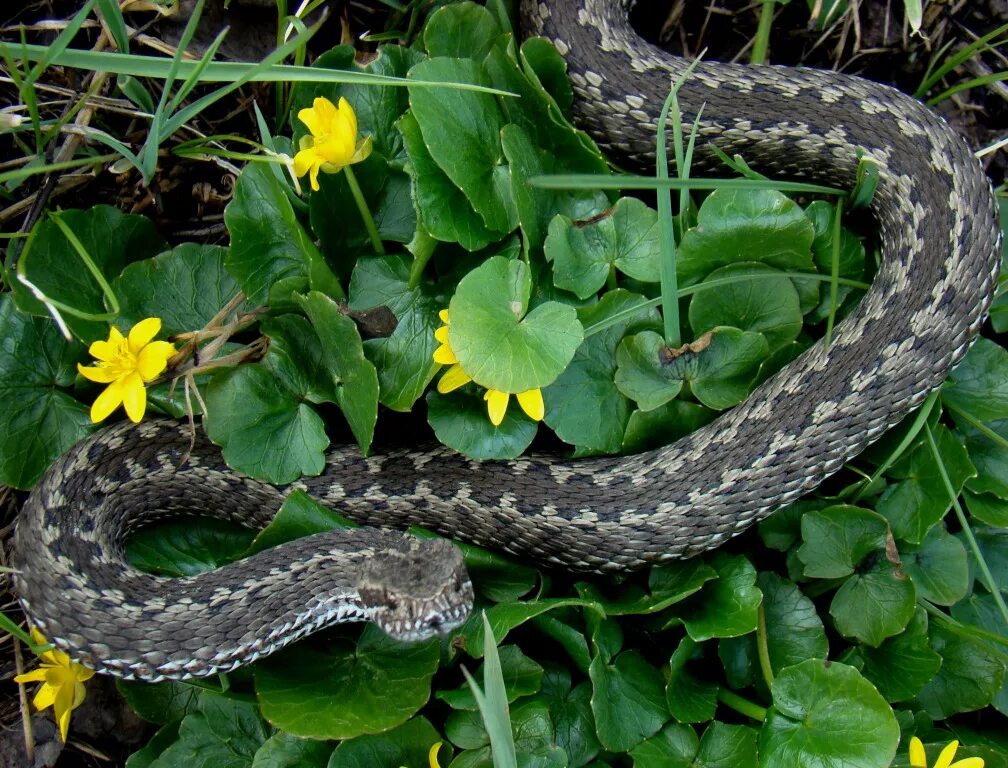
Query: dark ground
187	199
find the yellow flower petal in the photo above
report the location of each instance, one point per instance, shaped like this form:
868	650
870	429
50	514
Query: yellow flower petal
106	351
453	378
968	762
35	676
443	314
106	402
134	397
362	151
153	359
304	160
946	755
531	402
497	403
432	756
441	334
313	177
99	373
918	759
445	355
143	333
62	707
346	112
45	697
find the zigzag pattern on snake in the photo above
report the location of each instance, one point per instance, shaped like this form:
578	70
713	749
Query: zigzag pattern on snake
940	245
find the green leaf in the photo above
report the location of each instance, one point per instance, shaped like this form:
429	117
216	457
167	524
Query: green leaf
628	700
746	225
722	746
727	606
257	413
161	703
223	733
407	745
838	538
386	193
721	368
111	238
347	690
467	147
353	376
271	255
583	406
664	424
504	617
187	547
300	515
674	747
184	287
851	261
641	373
39	420
987	508
767	305
989	456
537	206
584	253
979	384
573	720
794	630
903	664
522	677
159	742
970	676
282	750
501	344
874	603
532	731
938	567
669	584
689	699
404	359
826	714
461	422
444	208
461	31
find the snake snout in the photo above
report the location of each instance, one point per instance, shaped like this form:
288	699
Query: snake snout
417	591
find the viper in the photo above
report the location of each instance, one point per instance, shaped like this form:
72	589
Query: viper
940	247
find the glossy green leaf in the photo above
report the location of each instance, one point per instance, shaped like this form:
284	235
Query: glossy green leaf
499	342
404	359
461	31
664	425
938	567
585	253
794	630
971	674
444	208
628	700
573	720
583	406
642	372
987	508
826	714
282	750
39	419
979	384
838	538
271	254
187	547
353	375
720	368
467	147
461	422
522	677
505	617
161	703
726	606
300	515
110	237
406	745
689	698
874	603
988	454
767	305
349	689
746	225
674	747
902	665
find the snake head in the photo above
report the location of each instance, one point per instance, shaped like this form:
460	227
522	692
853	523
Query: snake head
418	590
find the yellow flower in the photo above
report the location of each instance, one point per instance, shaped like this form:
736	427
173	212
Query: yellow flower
432	756
919	760
333	143
126	364
62	683
531	401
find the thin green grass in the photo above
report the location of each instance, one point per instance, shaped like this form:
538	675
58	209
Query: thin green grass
492	702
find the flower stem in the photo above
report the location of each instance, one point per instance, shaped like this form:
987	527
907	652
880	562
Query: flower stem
365	212
422	247
743	706
762	650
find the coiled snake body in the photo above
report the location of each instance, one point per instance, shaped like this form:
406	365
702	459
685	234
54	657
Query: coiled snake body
940	244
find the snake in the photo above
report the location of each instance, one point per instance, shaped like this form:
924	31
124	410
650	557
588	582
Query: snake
940	257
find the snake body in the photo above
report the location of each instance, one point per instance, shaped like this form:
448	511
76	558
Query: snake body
940	244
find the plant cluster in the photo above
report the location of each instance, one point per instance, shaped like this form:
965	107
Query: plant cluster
857	619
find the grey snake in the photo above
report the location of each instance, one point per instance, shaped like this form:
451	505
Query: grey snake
940	244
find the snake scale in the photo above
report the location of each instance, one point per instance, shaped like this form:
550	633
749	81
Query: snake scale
940	244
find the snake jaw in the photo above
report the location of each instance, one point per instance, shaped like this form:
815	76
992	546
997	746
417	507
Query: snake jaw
418	591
